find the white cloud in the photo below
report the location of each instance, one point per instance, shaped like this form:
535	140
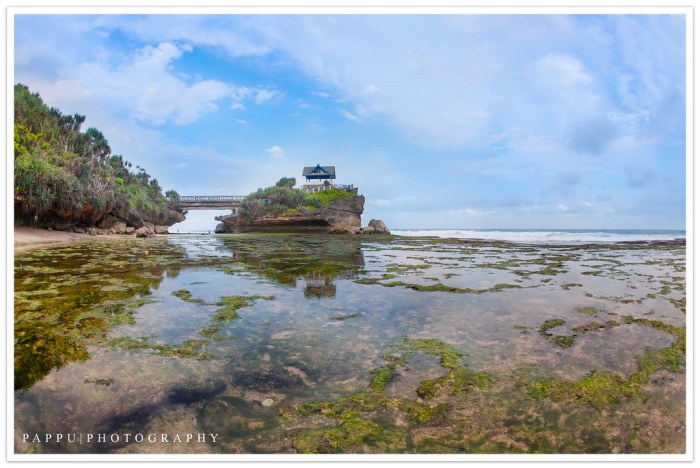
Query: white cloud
563	69
275	151
470	212
350	116
144	86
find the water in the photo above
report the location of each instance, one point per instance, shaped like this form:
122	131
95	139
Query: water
549	235
305	344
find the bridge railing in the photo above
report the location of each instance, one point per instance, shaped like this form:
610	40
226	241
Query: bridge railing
211	198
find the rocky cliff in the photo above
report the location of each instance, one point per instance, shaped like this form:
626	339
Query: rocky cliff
342	216
117	219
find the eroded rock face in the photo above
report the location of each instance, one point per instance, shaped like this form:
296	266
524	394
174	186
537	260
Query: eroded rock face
340	217
119	219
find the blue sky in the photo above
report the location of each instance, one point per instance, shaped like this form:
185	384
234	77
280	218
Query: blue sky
442	121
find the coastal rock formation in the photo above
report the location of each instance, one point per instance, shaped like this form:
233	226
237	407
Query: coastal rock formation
376	226
120	219
342	216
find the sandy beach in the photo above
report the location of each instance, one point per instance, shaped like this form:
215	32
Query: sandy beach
26	238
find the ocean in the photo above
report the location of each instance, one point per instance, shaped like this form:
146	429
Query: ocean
548	236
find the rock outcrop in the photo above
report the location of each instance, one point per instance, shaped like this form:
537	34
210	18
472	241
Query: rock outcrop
375	226
119	219
340	217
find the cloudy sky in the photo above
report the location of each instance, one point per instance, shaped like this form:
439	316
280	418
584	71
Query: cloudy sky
443	121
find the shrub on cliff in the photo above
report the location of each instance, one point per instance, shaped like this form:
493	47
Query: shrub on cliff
326	197
62	170
271	201
284	199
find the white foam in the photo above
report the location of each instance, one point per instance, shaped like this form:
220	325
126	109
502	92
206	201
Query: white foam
545	236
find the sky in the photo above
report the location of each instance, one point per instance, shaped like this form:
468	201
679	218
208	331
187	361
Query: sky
442	121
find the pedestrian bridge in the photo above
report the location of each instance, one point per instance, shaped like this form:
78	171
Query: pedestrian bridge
210	202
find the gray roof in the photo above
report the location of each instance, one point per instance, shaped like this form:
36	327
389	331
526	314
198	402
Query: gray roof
319	171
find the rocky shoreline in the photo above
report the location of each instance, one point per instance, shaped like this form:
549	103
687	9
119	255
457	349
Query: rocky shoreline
342	216
91	220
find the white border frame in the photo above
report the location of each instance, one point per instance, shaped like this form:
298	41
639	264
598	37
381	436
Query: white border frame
360	7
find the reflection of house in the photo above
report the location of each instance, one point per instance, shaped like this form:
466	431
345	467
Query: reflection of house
319	285
319	179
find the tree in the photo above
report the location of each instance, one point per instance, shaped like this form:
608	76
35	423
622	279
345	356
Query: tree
286	182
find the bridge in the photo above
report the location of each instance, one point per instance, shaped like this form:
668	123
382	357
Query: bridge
210	202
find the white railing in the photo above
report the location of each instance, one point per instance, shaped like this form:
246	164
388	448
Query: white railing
211	198
314	188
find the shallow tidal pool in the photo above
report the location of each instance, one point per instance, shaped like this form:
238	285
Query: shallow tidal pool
346	344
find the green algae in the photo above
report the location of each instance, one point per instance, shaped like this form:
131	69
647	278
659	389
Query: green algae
596	326
405	348
549	324
563	341
382	377
600	389
357	416
459	381
439	287
187	349
341	318
500	418
185	295
589	310
228	313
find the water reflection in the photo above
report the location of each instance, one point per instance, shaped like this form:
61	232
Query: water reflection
318	260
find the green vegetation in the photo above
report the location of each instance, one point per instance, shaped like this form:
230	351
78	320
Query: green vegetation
59	168
284	199
326	197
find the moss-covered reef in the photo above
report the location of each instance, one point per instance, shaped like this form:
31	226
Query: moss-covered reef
600	389
362	421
